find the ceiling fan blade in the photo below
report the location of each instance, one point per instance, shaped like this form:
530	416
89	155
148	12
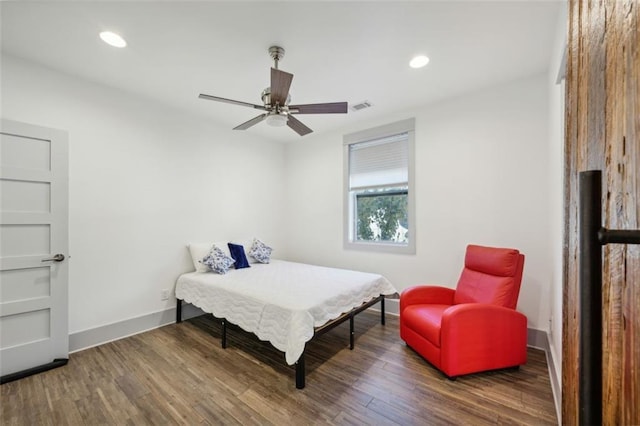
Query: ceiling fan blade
252	122
280	83
297	126
230	101
328	108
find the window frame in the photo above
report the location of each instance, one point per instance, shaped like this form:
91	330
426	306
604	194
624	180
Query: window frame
349	242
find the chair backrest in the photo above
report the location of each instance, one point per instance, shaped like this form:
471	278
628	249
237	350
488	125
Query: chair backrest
490	275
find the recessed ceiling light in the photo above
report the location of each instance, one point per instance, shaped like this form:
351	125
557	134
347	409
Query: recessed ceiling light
419	61
113	39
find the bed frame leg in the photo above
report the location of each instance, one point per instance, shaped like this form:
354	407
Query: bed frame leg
300	372
179	311
224	333
382	319
351	333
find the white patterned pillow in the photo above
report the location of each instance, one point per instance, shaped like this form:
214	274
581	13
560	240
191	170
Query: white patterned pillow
199	251
217	260
260	251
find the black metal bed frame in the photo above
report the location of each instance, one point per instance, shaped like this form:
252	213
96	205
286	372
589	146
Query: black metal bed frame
318	331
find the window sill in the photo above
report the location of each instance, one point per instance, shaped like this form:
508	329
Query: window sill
378	247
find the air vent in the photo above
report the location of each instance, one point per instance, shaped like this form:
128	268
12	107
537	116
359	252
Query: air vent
361	105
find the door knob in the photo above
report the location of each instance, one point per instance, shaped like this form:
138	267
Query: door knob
56	258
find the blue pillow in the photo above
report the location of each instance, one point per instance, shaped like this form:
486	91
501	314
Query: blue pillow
237	252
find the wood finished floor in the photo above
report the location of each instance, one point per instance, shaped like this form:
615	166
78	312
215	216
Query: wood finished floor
179	374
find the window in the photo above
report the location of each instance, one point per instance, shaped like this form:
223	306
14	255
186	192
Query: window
378	189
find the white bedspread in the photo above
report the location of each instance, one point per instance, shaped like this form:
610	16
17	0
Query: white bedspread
281	302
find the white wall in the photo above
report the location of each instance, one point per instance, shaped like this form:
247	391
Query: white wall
481	177
144	181
556	201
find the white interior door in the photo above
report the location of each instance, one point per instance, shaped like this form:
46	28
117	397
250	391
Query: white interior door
33	230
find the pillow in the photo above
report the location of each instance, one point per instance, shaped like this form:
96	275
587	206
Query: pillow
246	244
218	261
199	251
260	251
237	253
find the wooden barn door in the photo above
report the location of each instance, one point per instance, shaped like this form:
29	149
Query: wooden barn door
603	133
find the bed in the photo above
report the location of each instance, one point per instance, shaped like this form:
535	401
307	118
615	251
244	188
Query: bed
285	303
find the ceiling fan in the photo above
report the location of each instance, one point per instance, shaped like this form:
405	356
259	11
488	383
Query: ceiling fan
276	100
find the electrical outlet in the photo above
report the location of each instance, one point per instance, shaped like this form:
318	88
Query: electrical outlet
164	294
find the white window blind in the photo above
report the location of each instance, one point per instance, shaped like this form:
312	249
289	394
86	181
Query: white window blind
380	162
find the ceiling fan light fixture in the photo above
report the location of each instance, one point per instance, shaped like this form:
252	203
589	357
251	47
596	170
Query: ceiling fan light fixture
419	61
113	39
277	120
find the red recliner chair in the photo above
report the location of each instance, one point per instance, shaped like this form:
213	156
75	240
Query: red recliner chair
476	326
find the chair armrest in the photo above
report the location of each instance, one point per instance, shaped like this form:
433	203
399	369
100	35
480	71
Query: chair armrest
426	294
479	337
461	322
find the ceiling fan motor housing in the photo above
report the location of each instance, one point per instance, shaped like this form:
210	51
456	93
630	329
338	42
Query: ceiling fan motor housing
266	98
276	53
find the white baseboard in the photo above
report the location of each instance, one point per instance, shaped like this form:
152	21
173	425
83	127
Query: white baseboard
540	340
118	330
556	385
537	339
391	306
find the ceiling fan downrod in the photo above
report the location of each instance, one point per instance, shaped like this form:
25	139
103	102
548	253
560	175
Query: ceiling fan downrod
276	53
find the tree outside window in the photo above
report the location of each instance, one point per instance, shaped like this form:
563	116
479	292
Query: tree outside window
381	215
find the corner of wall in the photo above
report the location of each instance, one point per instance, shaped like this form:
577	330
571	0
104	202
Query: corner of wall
541	340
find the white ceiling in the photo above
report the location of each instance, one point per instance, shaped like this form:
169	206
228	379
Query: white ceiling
337	51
